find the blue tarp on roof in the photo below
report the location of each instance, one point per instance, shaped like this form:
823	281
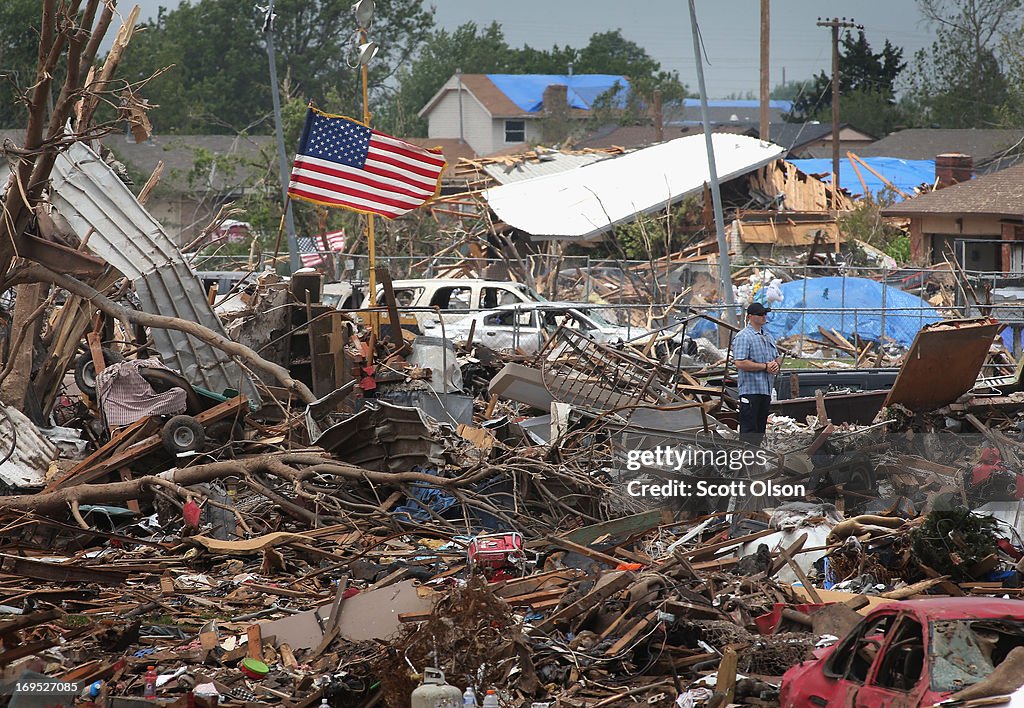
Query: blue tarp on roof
851	306
527	90
905	174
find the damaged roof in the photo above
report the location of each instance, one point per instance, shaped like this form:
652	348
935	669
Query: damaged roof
584	202
997	194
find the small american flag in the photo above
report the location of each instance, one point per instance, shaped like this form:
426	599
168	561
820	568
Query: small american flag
343	163
308	251
335	240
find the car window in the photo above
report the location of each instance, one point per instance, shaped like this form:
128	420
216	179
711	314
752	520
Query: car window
853	657
404	297
963	652
452	298
530	293
501	319
903	662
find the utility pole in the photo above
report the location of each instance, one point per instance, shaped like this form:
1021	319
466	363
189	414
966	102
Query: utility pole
268	30
765	130
836	24
724	269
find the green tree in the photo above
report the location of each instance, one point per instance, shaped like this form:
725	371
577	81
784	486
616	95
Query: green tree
959	82
791	90
468	48
219	82
19	47
867	88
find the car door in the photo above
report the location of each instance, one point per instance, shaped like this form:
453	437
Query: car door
509	330
853	661
898	678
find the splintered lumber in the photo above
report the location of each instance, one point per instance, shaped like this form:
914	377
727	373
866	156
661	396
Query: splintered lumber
630	635
595	597
582	550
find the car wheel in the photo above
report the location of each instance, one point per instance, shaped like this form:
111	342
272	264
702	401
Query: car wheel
85	370
182	433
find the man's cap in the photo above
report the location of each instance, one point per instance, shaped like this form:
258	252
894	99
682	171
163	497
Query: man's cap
757	308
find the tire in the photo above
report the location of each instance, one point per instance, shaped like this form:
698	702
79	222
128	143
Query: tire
85	371
182	433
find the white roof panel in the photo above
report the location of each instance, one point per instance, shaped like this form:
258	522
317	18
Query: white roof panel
583	202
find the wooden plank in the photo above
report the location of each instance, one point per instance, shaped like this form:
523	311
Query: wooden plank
725	684
632	633
254	642
394	325
712	548
582	550
798	571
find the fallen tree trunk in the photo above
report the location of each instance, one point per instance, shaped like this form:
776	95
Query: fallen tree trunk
141	487
38	273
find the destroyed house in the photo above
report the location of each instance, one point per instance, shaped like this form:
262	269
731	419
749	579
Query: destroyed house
494	112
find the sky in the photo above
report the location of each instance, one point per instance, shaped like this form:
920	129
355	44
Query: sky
730	29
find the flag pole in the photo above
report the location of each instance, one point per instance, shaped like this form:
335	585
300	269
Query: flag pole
370	242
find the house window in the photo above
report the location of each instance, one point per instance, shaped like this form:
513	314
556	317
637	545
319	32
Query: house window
515	131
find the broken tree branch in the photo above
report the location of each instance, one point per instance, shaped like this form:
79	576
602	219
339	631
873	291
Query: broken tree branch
38	273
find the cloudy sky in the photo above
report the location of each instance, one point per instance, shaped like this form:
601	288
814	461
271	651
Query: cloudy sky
730	29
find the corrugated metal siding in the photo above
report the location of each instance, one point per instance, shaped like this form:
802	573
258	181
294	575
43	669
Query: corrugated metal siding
93	200
528	169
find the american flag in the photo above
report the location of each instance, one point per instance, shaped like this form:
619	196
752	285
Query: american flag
335	240
309	251
345	164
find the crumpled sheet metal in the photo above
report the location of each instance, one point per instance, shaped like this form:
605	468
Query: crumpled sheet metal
94	201
32	453
386	438
943	363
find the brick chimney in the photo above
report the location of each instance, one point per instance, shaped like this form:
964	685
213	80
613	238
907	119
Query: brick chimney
556	100
954	167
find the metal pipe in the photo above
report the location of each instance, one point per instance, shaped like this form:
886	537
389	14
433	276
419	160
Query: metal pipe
724	267
289	223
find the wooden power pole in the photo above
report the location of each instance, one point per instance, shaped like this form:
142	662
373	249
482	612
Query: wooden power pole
764	131
836	24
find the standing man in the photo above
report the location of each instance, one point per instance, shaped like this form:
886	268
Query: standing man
757	361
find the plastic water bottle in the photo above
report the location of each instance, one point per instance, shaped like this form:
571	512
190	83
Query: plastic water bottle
469	698
150	688
491	700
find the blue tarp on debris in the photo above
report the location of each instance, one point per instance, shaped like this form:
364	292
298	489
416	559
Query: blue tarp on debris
851	306
905	174
830	303
527	90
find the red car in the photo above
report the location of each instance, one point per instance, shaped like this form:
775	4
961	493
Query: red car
908	654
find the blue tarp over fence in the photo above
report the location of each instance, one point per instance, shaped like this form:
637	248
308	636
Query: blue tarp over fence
853	307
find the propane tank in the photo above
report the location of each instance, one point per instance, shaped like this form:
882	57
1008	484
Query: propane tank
435	692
